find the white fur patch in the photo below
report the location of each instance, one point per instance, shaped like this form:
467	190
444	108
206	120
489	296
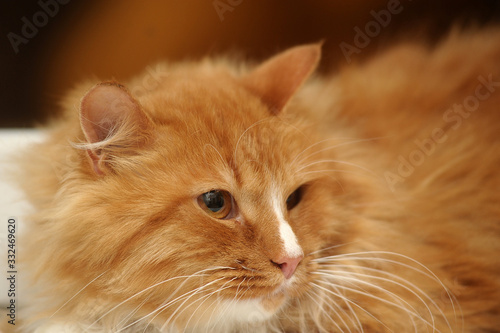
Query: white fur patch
242	311
290	242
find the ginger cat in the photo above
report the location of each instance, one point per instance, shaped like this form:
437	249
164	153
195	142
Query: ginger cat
236	198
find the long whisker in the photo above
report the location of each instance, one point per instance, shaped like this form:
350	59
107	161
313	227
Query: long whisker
77	293
244	132
155	313
206	298
177	299
132	313
400	302
331	147
405	306
356	256
339	162
312	146
227	305
348	304
187	277
335	261
216	150
325	171
350	301
405	284
176	313
323	310
328	248
424	270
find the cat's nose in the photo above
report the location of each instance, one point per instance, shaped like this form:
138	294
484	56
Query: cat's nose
288	265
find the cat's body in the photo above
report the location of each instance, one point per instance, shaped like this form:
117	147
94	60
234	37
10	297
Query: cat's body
365	201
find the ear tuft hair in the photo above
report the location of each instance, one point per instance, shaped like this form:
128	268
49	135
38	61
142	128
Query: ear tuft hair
111	119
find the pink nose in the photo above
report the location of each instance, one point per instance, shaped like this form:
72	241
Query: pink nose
288	265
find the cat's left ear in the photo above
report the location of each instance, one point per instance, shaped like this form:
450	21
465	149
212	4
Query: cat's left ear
277	79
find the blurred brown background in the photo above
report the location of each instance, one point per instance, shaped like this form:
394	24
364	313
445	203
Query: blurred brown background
48	45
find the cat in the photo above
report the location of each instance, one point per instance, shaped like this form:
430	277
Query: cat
233	197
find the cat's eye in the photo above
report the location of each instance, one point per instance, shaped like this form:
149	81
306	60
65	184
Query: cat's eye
216	203
294	198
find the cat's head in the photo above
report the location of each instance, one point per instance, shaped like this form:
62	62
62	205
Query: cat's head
203	198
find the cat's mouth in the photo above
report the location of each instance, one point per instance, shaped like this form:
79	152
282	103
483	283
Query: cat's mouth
265	295
286	287
284	291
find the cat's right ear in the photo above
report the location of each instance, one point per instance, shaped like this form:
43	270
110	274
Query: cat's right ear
112	121
276	80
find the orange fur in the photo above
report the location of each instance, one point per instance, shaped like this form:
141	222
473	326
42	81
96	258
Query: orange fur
119	233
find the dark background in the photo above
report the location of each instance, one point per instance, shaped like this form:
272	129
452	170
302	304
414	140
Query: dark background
119	38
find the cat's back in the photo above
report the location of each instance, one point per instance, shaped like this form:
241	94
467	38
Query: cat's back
429	122
434	111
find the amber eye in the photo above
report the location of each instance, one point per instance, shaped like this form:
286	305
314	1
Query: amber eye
216	203
294	198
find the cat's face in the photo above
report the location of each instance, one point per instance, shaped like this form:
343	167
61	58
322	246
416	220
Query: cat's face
236	207
202	198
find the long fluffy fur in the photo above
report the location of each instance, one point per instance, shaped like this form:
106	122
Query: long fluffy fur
387	247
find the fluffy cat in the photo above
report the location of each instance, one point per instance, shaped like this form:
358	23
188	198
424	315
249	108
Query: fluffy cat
239	198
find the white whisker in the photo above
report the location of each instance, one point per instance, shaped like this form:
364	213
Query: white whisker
186	299
169	303
339	162
243	134
403	304
332	147
227	305
132	313
426	271
323	310
326	171
328	248
405	284
216	150
186	277
350	302
88	284
206	298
